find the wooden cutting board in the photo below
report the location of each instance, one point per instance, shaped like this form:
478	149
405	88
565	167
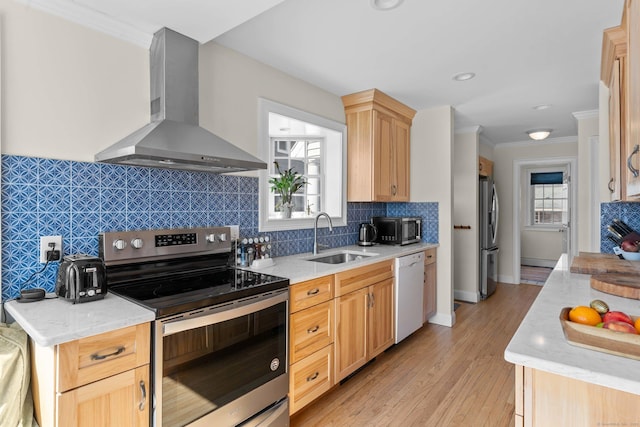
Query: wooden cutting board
622	285
598	263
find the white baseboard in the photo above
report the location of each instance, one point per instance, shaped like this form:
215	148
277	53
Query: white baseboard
535	262
507	279
466	296
443	319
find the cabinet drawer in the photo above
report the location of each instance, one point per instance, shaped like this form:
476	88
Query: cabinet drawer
90	359
310	378
309	293
311	330
358	278
429	256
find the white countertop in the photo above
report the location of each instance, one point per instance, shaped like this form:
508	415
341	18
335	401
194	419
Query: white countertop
55	321
296	268
539	342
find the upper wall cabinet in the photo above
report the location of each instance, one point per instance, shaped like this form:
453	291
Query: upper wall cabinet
620	72
485	166
378	145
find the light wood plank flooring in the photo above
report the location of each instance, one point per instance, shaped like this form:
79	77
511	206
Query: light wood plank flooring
438	376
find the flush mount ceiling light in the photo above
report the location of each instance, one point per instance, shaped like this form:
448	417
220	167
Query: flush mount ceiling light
461	77
538	134
541	107
385	4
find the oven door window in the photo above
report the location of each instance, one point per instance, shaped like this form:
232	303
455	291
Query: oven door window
207	367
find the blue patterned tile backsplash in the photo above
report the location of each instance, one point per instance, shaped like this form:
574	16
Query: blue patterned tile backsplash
78	200
629	212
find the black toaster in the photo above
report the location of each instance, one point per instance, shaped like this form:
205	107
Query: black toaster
81	278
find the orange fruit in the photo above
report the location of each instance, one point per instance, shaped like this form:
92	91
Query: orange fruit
637	325
585	315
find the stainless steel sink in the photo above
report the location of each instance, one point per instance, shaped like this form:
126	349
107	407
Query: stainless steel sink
341	257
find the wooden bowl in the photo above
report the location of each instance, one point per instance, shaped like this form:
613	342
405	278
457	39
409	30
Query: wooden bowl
600	339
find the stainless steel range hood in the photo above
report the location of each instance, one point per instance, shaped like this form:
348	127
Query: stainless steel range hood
173	139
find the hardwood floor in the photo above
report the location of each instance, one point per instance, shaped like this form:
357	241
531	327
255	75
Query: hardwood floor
438	376
534	275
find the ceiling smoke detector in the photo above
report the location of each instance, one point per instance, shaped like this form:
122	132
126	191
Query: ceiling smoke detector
538	134
385	4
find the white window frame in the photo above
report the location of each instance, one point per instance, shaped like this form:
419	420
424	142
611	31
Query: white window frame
339	190
530	201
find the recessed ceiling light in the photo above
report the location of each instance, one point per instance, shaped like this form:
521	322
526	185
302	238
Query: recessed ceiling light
539	134
541	107
385	4
460	77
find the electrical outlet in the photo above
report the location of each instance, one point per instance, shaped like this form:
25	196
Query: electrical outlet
235	231
44	247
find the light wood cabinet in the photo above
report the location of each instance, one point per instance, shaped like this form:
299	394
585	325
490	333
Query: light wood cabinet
485	166
378	147
545	399
364	316
311	337
102	380
430	284
620	72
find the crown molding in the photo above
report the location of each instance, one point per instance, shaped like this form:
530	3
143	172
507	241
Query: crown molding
589	114
92	19
469	129
531	142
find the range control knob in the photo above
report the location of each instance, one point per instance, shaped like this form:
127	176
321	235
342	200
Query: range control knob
137	243
222	237
211	238
119	244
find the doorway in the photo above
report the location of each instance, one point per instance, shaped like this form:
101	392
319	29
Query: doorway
544	211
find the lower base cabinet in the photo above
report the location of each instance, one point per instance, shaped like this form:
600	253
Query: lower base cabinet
98	381
430	284
310	378
545	399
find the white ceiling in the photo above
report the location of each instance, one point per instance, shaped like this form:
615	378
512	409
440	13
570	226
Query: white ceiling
524	53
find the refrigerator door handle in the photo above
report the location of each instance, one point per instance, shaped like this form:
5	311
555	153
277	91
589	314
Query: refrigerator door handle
496	213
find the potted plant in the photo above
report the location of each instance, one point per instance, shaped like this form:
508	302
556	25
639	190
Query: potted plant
286	185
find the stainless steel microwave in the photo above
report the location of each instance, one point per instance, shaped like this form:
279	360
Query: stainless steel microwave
397	230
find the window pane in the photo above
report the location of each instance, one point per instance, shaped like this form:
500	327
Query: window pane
313	167
538	204
548	204
313	186
538	189
548	191
298	166
313	205
298	150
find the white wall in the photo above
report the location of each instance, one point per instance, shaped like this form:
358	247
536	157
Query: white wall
504	157
588	182
70	91
432	181
466	261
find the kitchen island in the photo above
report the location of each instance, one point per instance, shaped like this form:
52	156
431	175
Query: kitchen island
561	384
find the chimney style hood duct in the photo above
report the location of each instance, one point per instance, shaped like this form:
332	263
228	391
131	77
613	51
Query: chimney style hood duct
173	139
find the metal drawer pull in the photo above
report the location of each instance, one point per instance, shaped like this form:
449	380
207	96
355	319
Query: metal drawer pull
633	170
313	377
314	329
143	390
610	185
104	356
394	190
313	291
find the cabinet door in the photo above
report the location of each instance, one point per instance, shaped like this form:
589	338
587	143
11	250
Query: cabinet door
384	156
351	332
429	306
615	131
381	318
631	79
118	401
402	172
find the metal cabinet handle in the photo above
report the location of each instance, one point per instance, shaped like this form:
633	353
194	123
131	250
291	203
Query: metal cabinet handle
313	377
313	291
143	390
394	189
610	185
373	299
633	170
104	356
314	329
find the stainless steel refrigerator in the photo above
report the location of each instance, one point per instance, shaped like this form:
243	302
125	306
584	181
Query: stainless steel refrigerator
489	215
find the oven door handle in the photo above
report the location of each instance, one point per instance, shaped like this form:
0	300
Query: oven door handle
184	324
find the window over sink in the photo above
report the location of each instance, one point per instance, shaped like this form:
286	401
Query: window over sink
312	146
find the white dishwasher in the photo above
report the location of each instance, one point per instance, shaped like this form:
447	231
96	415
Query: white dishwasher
409	290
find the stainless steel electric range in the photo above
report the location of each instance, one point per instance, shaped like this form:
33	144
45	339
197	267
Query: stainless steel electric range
220	337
